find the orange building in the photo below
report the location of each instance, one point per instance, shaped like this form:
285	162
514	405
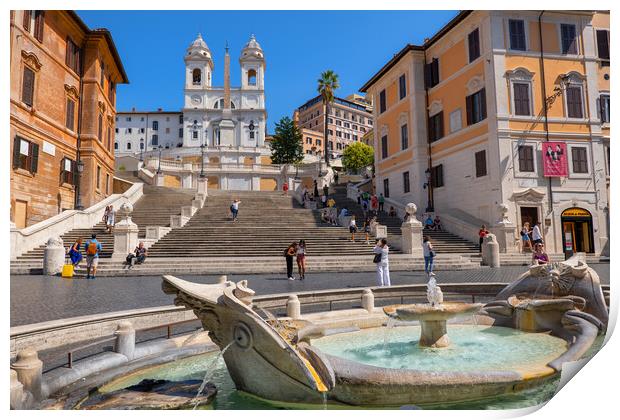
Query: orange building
349	119
63	86
460	124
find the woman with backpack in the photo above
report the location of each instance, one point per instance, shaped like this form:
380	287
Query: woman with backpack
289	253
301	259
429	255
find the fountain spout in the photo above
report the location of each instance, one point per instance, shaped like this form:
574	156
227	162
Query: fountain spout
434	295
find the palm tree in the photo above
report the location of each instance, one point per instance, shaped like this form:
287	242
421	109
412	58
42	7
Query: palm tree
327	84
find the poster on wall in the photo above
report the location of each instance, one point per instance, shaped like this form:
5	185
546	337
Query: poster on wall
555	159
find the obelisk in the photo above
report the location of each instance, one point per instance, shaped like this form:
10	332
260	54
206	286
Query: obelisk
227	126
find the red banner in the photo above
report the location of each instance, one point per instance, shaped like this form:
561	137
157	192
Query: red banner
555	159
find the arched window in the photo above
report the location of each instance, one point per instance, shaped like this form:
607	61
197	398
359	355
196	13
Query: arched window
115	145
219	104
128	146
252	77
196	76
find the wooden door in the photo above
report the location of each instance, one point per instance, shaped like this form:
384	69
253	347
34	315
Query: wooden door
20	214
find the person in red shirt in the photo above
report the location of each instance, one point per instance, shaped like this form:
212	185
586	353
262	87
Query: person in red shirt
285	188
482	233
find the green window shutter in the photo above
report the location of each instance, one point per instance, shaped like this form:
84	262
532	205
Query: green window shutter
16	144
35	158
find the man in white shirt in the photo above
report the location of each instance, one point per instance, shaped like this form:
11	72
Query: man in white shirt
536	235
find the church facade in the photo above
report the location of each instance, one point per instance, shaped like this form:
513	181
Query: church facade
229	123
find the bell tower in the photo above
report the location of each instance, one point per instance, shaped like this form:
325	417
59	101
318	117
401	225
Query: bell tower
198	65
252	61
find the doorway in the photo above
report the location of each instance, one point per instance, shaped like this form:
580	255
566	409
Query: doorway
20	214
577	232
530	215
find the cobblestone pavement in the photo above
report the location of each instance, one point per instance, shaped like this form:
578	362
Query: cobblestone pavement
36	298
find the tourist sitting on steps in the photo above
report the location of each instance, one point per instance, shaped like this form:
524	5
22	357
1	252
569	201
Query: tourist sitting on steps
428	223
437	223
75	254
539	256
392	212
92	248
139	254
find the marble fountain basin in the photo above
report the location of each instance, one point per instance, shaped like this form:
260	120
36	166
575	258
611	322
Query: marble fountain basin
294	361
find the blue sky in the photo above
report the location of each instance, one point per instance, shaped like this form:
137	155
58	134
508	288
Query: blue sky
298	46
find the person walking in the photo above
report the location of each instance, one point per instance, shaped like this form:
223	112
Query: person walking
75	254
525	237
92	248
481	234
304	195
352	228
367	224
374	204
324	200
285	188
234	209
301	259
105	214
536	235
316	189
336	178
381	202
289	253
325	190
429	255
110	219
381	251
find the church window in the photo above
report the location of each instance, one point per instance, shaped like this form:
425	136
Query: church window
128	146
252	77
115	146
196	76
195	134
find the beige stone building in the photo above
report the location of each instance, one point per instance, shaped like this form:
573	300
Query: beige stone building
349	119
62	111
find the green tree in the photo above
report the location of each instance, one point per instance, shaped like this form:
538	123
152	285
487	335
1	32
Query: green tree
357	155
286	146
327	84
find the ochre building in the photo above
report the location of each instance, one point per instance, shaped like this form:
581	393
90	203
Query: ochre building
464	122
63	87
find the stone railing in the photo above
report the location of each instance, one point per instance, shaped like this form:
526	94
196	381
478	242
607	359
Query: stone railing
26	239
462	224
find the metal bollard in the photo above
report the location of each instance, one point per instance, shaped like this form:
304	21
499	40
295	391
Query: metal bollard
368	300
293	307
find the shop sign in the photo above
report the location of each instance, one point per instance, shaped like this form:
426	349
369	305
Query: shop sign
576	212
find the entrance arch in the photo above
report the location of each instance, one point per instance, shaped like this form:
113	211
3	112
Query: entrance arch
577	231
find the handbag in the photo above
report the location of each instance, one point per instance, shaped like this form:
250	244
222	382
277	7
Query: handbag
431	254
377	258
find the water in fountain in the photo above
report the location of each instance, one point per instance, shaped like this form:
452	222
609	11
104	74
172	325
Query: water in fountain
324	400
209	372
276	323
433	292
388	327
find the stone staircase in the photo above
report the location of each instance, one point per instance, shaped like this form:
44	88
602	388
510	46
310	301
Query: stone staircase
443	242
153	209
268	222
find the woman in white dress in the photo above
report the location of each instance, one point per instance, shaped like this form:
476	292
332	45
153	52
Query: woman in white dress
110	220
381	251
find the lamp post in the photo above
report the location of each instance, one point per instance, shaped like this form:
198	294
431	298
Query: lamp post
428	186
141	150
159	160
80	169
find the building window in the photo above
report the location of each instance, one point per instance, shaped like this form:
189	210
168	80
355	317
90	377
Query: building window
98	185
604	107
318	142
196	76
431	73
252	77
437	176
100	128
382	103
569	39
386	188
521	93
384	147
108	137
251	135
580	160
128	146
28	86
339	123
516	29
128	130
141	144
70	114
526	159
67	169
455	120
167	130
26	21
476	107
473	41
180	119
116	130
141	130
154	140
115	145
481	163
347	125
573	102
602	44
155	125
195	134
435	127
180	133
39	18
72	56
25	154
402	86
128	119
404	137
107	183
101	72
406	187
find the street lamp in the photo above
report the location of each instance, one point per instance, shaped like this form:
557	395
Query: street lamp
159	160
80	169
141	150
202	160
427	185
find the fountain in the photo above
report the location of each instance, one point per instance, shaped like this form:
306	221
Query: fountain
433	316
